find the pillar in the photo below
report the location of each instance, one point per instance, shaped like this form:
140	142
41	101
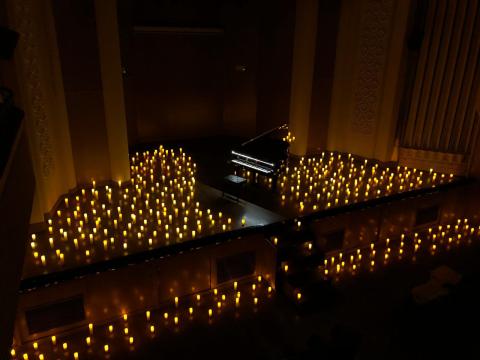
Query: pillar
368	73
41	95
89	50
302	73
112	83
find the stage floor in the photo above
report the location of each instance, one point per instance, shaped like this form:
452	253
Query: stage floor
207	196
258	205
212	157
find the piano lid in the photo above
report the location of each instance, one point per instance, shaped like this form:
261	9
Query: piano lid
269	147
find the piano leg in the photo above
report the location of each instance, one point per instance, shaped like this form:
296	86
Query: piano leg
274	182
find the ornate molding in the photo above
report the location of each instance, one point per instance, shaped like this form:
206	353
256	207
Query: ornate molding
374	35
23	18
439	161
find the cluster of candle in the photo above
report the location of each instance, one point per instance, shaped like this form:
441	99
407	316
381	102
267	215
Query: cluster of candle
156	207
132	330
410	246
334	179
289	137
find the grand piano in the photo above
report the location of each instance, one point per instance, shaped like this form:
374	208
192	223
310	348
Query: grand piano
264	154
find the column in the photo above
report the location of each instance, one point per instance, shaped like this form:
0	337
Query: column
302	73
368	74
42	97
112	82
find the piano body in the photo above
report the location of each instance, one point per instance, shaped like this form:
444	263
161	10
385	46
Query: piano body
263	154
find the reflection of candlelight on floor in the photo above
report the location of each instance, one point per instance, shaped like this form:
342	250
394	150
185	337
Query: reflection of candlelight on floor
408	246
121	334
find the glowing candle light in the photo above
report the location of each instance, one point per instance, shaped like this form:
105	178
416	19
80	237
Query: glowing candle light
54	340
65	346
147	314
105	348
88	340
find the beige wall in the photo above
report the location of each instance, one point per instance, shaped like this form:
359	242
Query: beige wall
303	65
368	68
79	54
41	94
323	76
112	84
74	108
